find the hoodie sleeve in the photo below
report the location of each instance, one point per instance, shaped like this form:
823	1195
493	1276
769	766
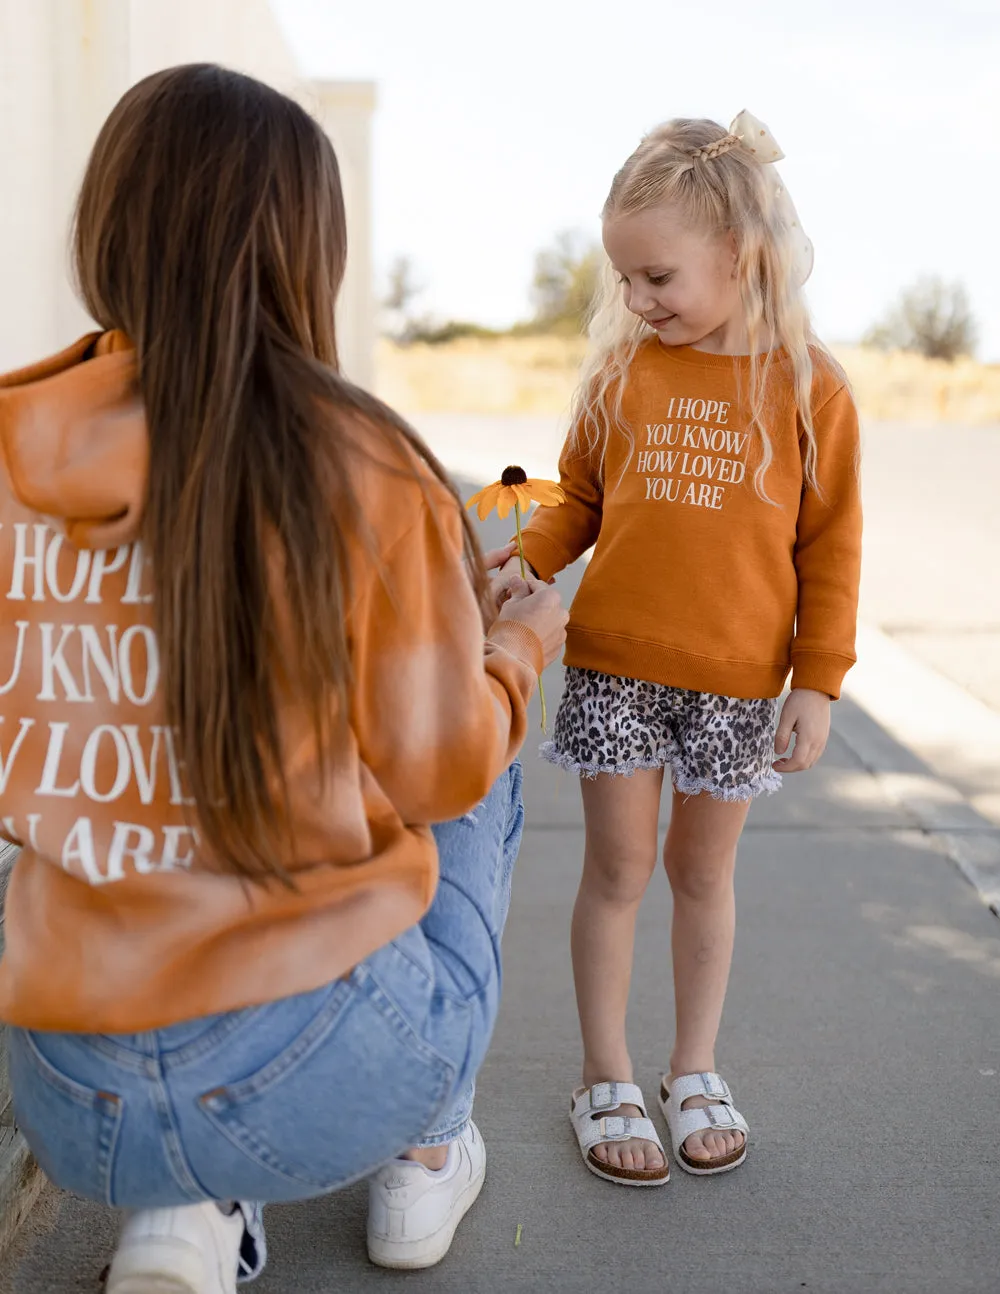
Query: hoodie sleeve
438	713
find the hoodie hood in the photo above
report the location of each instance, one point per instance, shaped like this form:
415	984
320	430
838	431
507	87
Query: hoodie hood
74	443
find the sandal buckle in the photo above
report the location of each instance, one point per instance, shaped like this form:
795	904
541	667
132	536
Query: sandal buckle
604	1096
716	1087
720	1116
614	1128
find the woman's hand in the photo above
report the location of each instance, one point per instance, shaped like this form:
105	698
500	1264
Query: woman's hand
506	562
511	571
498	559
807	715
532	603
508	575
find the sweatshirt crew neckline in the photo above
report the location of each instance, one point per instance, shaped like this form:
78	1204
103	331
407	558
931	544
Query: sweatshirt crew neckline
710	359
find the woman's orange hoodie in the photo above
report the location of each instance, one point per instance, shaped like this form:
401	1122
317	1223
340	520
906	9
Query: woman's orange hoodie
116	921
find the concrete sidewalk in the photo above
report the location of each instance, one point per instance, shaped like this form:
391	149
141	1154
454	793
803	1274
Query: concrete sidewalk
861	1037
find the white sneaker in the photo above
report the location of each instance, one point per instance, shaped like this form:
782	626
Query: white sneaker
191	1250
413	1213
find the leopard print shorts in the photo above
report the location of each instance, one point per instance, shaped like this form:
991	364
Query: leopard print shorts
715	744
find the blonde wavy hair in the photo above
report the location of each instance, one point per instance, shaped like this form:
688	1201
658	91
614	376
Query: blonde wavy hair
702	172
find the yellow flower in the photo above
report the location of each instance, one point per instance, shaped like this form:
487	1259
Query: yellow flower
515	489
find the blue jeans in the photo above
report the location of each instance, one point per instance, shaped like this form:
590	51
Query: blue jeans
453	843
301	1096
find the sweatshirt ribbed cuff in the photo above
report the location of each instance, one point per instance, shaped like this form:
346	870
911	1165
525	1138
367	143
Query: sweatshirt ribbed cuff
820	672
519	641
543	554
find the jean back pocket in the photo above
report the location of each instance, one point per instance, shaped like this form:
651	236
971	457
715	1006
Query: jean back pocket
355	1088
72	1129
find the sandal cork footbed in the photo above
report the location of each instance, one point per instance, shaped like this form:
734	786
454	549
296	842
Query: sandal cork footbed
651	1175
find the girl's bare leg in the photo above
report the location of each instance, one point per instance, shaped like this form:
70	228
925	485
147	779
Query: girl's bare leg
620	857
700	859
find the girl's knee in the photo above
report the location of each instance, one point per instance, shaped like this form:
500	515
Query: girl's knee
700	875
618	878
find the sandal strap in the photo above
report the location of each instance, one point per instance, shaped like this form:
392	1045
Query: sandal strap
602	1098
711	1118
712	1086
593	1132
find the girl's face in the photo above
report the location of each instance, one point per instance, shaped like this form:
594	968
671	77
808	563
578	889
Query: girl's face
680	280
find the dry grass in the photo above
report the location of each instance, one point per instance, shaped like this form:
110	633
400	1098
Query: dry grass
537	375
908	388
481	375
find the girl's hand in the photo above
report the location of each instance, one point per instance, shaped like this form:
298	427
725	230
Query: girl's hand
534	604
807	715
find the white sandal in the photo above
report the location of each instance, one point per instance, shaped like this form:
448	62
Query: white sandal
720	1116
589	1113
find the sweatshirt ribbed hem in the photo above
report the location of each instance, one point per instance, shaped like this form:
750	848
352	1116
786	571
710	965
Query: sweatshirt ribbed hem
630	658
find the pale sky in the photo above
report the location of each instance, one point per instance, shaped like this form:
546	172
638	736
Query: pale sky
499	125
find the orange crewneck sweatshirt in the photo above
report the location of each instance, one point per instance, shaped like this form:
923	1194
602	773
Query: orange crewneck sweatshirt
696	581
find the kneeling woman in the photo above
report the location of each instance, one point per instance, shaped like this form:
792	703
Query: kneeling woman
243	666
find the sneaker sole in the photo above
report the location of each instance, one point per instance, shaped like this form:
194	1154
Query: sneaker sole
139	1274
409	1255
151	1283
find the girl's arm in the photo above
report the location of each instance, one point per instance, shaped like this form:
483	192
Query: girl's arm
828	553
556	537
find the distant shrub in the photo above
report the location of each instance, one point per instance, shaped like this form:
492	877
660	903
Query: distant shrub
931	318
432	333
565	280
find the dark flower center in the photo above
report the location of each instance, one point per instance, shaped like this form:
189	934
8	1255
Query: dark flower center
514	476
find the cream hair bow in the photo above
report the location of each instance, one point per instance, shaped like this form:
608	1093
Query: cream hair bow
755	136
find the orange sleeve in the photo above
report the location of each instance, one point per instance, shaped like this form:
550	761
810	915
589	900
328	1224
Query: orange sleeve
556	537
828	553
438	715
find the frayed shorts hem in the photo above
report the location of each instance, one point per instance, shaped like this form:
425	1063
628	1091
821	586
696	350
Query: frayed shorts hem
683	782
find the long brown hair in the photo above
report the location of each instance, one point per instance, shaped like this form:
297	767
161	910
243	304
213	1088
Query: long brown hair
211	230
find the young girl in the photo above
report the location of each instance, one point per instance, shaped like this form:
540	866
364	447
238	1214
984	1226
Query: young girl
713	461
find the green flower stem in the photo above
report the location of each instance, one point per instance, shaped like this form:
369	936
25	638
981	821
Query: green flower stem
524	575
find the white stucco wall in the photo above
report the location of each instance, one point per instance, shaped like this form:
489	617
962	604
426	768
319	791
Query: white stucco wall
63	65
345	109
